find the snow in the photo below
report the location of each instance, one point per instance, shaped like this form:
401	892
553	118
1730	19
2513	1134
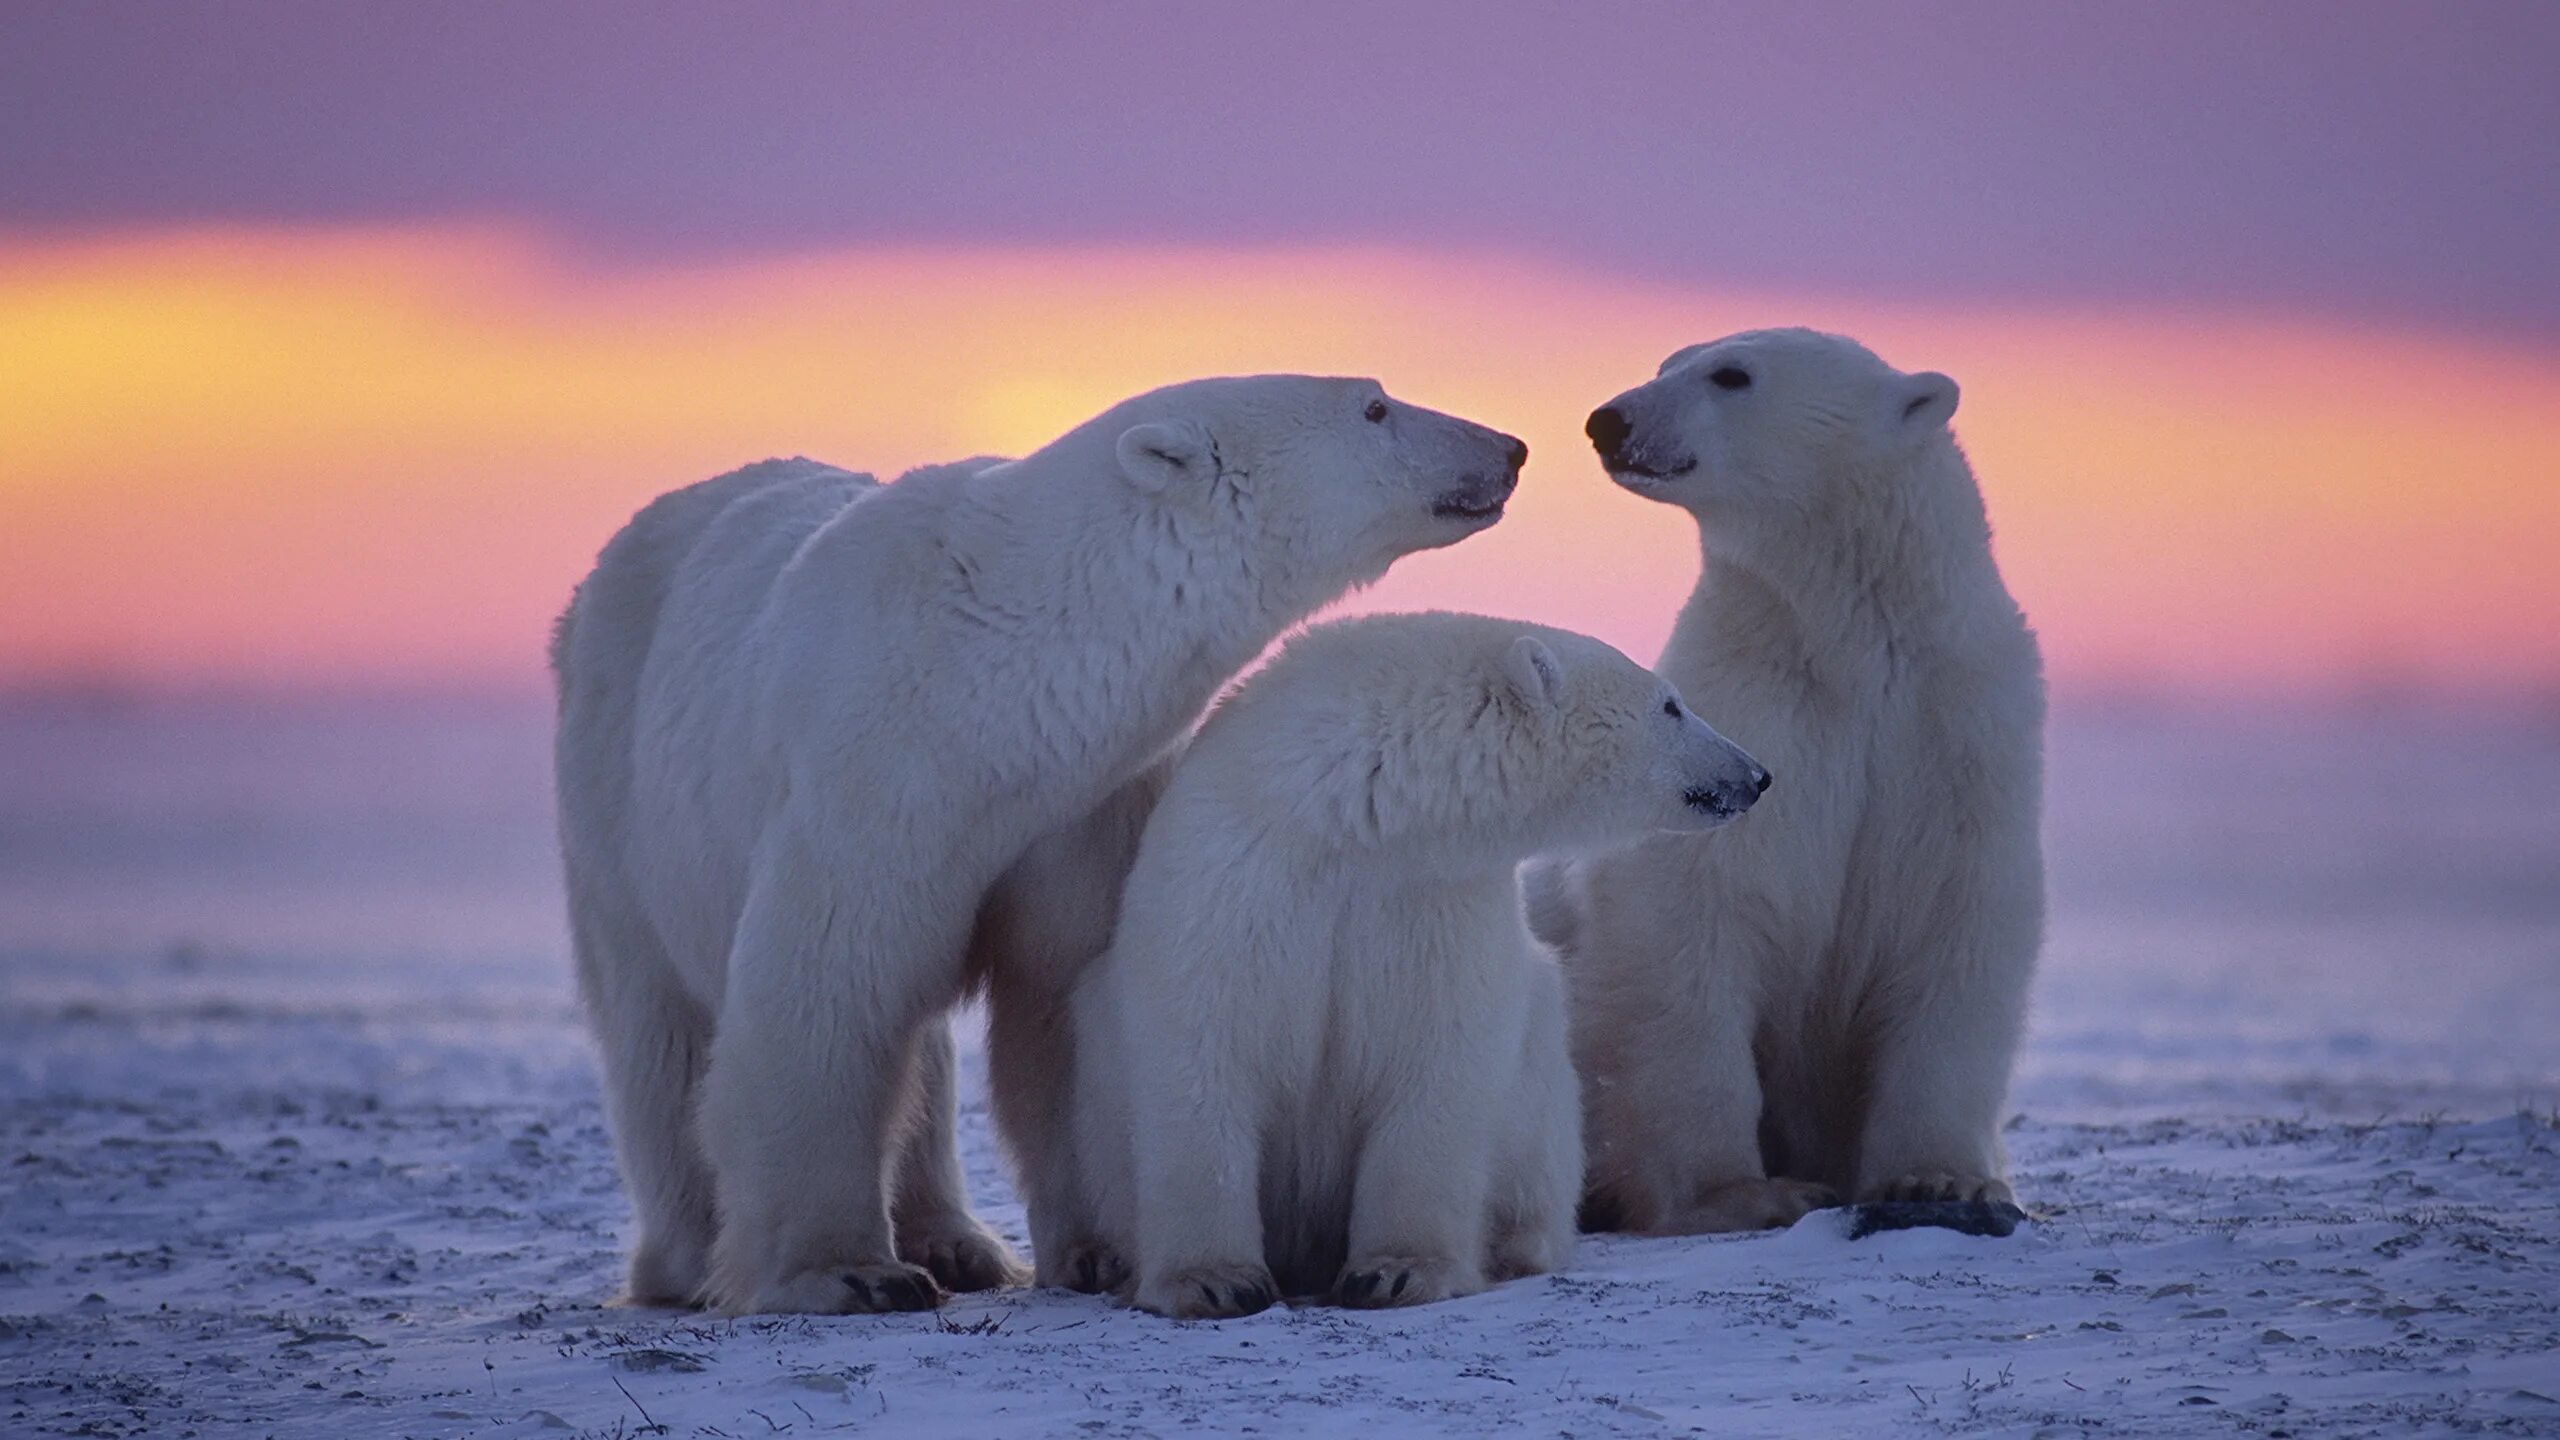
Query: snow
299	1137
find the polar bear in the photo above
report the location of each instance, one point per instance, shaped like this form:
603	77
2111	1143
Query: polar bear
1826	1002
808	722
1323	1052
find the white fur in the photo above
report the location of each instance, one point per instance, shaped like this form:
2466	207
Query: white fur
1827	1000
1324	1052
809	722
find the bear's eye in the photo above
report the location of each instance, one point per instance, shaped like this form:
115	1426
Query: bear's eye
1376	414
1671	708
1730	377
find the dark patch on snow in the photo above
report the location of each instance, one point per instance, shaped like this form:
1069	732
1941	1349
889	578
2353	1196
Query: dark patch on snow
1995	1218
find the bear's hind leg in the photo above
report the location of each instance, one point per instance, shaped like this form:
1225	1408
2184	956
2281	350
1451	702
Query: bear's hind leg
1675	1129
1041	1095
655	1040
931	1208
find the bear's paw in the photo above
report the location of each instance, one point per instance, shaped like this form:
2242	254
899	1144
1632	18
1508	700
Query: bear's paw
1767	1204
849	1289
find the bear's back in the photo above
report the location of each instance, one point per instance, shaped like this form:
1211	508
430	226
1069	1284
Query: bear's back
654	697
724	576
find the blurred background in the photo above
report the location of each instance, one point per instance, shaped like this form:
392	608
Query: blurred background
334	340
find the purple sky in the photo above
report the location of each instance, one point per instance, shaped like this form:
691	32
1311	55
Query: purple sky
2391	163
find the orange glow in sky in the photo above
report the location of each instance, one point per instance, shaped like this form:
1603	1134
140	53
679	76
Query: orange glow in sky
358	458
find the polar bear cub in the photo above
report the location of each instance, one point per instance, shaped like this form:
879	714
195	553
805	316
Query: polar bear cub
1825	1002
807	724
1325	1053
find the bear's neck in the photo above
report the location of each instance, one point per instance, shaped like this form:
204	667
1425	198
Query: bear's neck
1899	562
1068	561
1401	777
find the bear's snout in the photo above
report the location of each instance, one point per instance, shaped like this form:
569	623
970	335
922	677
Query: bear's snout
1636	462
1481	489
1725	802
1476	495
1729	794
1608	430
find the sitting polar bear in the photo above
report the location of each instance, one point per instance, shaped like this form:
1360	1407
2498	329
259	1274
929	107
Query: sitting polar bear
1323	1051
1828	1000
808	721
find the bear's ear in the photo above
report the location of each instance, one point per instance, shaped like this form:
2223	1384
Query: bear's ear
1532	670
1927	400
1162	454
1678	359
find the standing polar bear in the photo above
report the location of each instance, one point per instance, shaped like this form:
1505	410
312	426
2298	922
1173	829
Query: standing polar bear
1323	1052
1825	1002
808	722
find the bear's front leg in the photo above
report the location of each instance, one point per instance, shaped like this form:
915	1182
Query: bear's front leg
829	981
1196	1171
1538	1178
1422	1188
1940	1077
1199	1178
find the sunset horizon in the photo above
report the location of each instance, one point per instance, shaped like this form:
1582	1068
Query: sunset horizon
316	458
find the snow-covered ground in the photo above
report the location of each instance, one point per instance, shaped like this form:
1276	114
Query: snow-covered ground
298	1136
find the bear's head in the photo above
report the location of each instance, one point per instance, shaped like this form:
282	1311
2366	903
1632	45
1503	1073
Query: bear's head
1770	422
1481	739
1331	479
1633	758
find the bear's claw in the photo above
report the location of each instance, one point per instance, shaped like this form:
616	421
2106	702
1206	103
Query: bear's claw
1937	1185
1383	1282
963	1260
883	1292
1096	1270
1212	1292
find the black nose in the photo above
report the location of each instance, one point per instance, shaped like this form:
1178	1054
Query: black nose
1607	429
1760	782
1519	452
